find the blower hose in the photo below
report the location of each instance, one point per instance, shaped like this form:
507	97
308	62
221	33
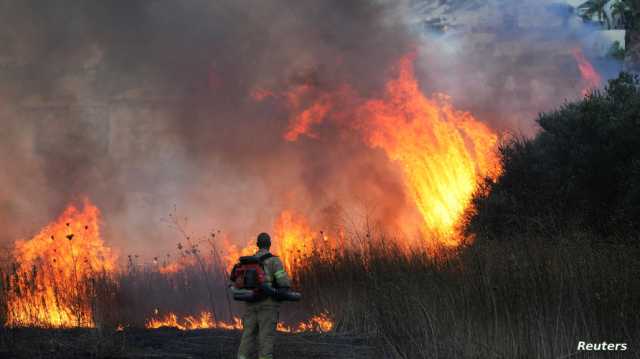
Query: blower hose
279	294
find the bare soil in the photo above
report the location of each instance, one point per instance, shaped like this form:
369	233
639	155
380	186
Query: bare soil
171	343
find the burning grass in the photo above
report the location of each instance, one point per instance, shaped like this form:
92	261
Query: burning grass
53	280
529	298
65	277
321	323
204	320
440	151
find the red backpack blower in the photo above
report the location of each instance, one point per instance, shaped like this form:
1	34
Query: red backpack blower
249	279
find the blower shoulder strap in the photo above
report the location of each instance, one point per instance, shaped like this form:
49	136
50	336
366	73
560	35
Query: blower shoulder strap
265	256
233	271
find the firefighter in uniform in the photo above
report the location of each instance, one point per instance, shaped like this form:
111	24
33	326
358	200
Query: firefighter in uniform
261	318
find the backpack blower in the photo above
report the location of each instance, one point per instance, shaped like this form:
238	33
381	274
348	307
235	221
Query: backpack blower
250	285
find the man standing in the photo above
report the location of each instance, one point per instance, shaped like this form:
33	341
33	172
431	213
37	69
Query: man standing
261	318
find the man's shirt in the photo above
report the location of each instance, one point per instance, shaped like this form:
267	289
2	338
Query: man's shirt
275	271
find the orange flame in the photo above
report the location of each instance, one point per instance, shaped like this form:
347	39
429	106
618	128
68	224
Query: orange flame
320	323
203	321
590	77
294	239
51	283
50	286
312	115
177	265
232	252
261	94
442	152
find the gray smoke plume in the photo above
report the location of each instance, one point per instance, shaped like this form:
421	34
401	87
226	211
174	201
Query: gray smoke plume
143	105
504	60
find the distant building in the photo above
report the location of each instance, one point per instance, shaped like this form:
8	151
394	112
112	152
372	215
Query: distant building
575	3
601	42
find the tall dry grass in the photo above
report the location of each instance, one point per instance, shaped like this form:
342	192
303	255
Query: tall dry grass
523	299
533	298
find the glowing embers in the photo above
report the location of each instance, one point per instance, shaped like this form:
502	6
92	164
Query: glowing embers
53	280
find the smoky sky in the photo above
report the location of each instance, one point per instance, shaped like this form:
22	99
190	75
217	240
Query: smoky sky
146	105
506	61
143	105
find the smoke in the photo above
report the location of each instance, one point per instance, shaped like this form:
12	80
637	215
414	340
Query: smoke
506	61
146	105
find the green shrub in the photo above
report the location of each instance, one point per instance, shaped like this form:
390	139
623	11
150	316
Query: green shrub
580	173
617	51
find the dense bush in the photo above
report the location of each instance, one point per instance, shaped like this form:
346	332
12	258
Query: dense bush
580	174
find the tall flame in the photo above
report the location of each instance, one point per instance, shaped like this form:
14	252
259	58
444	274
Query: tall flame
50	285
294	239
441	152
232	252
590	77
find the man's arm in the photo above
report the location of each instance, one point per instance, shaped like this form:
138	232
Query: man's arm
280	275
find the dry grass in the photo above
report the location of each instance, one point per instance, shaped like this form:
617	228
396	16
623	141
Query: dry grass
523	299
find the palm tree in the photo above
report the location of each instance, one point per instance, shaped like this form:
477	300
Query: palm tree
597	8
633	35
626	15
619	13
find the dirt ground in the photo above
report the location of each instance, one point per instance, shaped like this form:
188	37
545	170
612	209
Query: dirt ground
171	343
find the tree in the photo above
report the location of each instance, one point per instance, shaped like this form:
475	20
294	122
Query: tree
620	13
626	15
579	174
597	8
